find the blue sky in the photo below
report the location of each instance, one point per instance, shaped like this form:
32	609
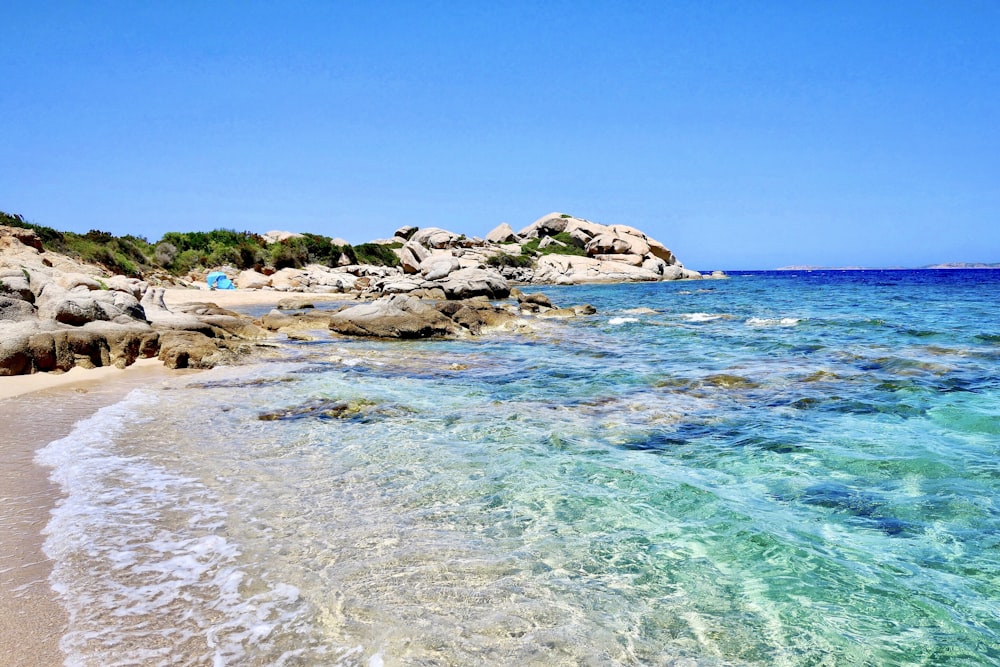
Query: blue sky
741	134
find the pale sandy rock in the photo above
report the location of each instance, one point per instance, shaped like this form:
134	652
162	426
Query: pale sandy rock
406	231
323	279
411	255
20	236
250	279
295	303
402	285
132	286
437	267
15	285
502	233
607	244
548	242
558	313
580	237
637	244
288	279
118	306
625	230
587	227
277	236
434	237
466	283
624	258
163	318
71	281
547	225
398	316
654	264
660	251
570	269
14	309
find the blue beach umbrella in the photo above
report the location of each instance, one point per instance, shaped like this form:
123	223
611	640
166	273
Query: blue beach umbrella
218	280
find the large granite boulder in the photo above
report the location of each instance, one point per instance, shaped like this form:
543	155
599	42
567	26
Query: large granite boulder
189	349
250	279
434	237
289	279
412	255
478	315
439	266
14	283
570	269
406	231
397	316
502	233
467	283
12	309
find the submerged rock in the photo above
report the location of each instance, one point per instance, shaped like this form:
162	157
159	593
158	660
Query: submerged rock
360	409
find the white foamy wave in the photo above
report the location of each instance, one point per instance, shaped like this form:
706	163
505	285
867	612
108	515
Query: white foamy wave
772	322
141	566
616	321
702	317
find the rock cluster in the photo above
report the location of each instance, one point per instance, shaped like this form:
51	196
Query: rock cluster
439	264
404	316
52	319
56	313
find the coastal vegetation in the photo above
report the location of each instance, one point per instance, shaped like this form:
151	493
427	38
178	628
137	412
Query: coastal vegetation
180	253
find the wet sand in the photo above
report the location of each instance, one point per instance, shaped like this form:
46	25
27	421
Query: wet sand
35	410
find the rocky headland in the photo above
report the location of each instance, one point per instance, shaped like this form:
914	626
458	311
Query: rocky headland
57	312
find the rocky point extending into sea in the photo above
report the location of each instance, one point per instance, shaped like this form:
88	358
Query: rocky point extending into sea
57	313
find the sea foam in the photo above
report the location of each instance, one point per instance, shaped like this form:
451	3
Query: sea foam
132	541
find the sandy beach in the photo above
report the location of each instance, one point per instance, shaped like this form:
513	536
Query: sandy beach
36	410
238	298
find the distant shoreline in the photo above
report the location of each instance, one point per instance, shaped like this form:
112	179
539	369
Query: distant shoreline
932	267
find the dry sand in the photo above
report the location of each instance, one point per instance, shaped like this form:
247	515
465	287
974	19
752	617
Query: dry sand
237	298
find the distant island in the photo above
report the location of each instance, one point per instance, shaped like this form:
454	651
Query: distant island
944	265
965	265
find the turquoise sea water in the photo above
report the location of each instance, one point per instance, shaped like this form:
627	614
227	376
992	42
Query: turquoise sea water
776	469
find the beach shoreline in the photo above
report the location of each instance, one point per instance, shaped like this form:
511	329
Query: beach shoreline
38	409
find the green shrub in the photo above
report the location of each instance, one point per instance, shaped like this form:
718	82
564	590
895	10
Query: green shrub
502	259
186	261
51	239
376	253
531	247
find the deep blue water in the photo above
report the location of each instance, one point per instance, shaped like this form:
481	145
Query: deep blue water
782	468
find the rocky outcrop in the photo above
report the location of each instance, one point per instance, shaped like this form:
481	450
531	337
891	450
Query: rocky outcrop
570	250
53	319
436	263
502	233
397	316
56	313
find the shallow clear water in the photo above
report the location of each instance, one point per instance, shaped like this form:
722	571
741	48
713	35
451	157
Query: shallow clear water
777	469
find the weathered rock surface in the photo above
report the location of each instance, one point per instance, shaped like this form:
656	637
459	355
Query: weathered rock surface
502	233
397	316
56	313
